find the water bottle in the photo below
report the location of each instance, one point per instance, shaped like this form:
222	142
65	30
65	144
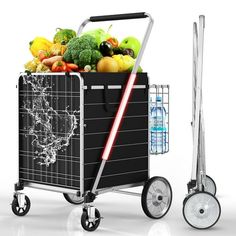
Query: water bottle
158	127
153	141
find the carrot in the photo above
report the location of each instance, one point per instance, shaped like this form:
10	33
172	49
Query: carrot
72	66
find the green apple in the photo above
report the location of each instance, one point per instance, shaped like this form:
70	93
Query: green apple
99	34
140	70
132	43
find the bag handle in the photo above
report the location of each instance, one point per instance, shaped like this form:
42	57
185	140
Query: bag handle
127	16
109	107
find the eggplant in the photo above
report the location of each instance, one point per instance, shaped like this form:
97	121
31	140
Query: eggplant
106	49
128	51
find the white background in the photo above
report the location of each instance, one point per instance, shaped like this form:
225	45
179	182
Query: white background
168	59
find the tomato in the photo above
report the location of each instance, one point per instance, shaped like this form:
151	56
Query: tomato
59	66
113	41
43	55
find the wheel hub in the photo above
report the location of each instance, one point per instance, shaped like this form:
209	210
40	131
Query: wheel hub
157	198
201	211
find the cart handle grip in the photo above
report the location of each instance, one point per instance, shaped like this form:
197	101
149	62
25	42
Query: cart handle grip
126	16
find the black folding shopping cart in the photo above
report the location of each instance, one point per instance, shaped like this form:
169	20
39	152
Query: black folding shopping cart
83	134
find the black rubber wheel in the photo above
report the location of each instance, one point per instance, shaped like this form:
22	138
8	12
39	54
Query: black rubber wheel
90	226
185	199
210	185
201	210
73	199
156	197
20	211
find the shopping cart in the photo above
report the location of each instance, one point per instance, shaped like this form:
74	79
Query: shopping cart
83	134
201	209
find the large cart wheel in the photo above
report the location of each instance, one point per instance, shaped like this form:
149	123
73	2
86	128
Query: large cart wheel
201	210
20	211
156	197
90	225
73	199
210	185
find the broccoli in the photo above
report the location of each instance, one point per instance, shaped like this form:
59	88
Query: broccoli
95	57
82	51
85	57
67	57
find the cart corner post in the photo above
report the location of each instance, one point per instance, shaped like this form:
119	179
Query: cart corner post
81	124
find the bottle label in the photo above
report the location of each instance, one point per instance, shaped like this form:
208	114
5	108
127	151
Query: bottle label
158	123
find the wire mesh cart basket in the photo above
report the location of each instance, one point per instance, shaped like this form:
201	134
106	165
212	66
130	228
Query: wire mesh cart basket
201	209
83	134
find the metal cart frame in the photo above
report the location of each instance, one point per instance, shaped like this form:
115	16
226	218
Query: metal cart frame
201	188
91	217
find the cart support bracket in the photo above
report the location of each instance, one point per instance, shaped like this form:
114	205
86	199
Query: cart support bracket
191	185
89	197
18	186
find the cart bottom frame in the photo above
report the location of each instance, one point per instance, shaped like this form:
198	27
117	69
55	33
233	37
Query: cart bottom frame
156	199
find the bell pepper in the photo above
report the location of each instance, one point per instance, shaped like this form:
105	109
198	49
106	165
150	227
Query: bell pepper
113	41
39	43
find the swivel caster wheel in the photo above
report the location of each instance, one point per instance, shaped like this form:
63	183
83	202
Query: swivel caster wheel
90	223
201	210
20	205
156	197
73	199
210	185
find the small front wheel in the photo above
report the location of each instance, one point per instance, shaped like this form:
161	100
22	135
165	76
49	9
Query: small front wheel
156	197
20	211
201	210
88	224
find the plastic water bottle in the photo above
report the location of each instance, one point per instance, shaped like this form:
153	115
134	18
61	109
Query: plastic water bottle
153	140
158	127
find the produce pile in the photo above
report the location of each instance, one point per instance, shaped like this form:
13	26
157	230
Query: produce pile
93	51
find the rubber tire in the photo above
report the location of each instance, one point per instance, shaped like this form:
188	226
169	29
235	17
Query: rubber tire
207	176
68	199
144	196
15	204
84	218
193	225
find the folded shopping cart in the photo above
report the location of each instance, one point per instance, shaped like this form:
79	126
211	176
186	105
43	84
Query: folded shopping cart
201	209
